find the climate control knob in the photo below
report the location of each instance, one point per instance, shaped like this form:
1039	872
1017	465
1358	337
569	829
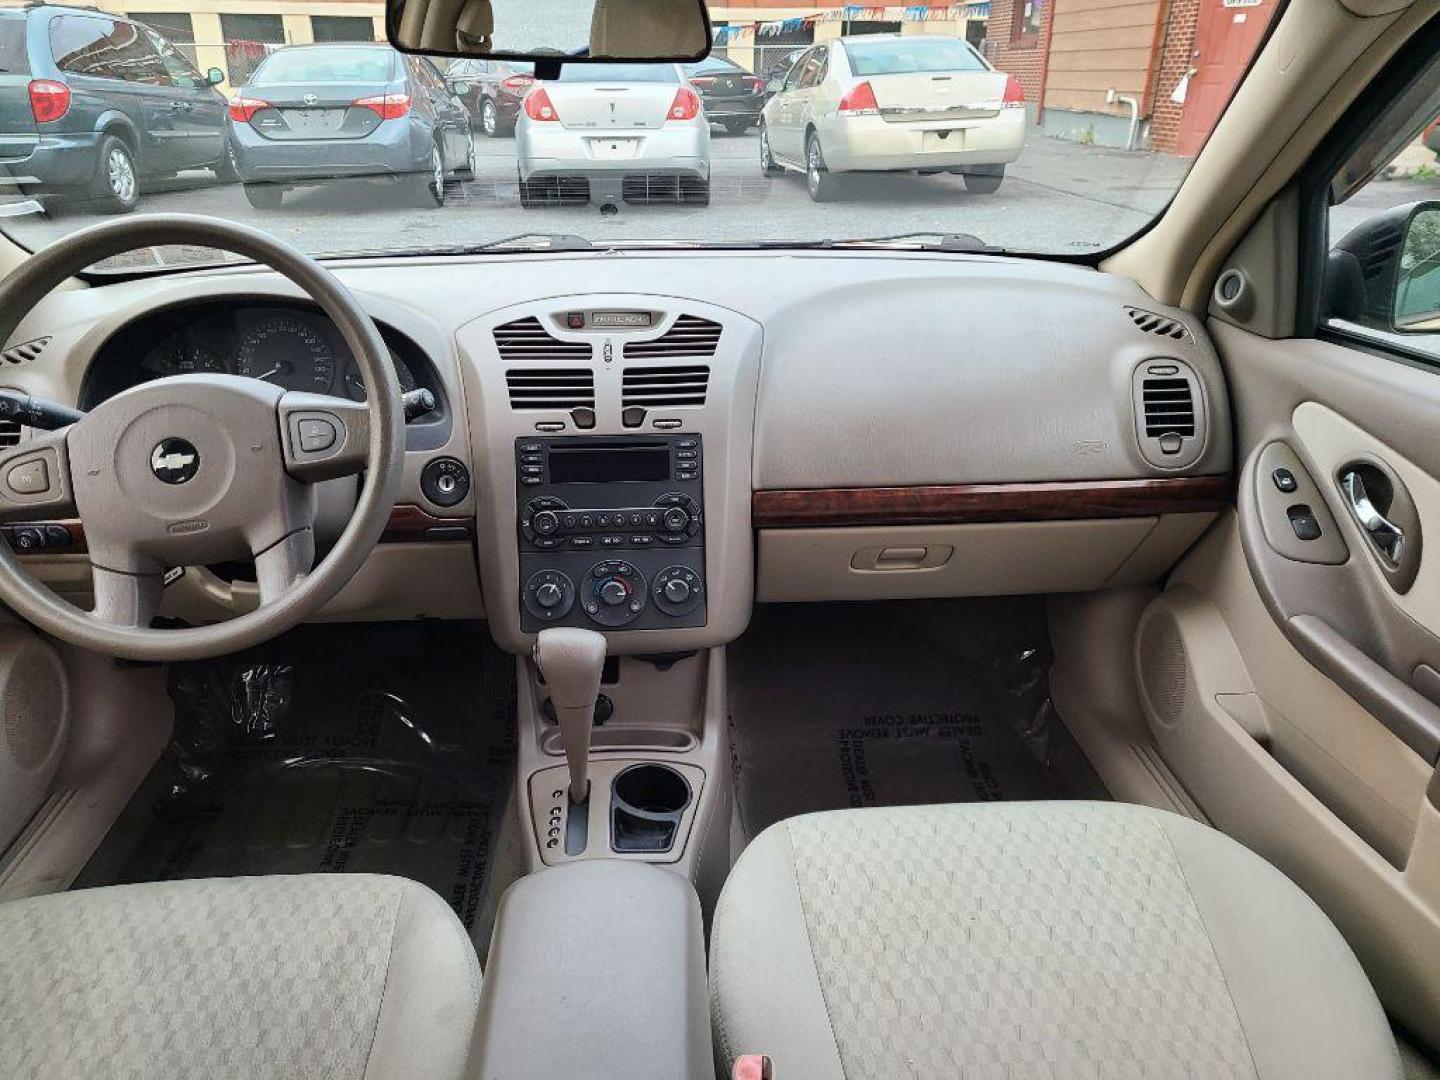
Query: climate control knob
548	595
676	590
613	592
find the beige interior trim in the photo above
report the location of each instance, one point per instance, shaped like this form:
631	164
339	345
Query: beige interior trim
1320	56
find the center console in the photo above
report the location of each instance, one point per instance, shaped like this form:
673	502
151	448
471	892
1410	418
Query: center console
611	531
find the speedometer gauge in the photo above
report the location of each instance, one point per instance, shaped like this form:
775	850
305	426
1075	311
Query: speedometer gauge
289	352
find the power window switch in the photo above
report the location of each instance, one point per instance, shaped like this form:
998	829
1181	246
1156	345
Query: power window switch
1285	481
1303	521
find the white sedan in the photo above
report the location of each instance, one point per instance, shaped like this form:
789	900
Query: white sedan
609	133
893	103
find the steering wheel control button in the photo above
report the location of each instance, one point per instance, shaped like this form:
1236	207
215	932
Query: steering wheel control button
29	477
616	593
1285	481
548	595
316	434
445	481
678	591
175	461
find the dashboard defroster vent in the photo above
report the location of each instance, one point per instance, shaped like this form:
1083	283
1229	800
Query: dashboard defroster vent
552	388
690	336
527	339
661	387
1160	325
25	352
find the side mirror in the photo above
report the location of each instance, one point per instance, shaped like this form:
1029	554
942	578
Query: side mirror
1385	273
214	77
459	88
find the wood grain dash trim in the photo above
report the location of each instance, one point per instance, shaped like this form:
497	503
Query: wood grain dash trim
951	504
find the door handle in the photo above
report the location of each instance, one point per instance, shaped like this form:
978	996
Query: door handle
1388	538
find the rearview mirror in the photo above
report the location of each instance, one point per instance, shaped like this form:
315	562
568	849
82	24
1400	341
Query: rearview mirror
577	31
1385	273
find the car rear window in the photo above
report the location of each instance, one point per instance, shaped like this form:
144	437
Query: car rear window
902	56
327	66
657	73
14	57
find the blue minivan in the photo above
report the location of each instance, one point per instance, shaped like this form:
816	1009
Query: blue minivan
93	104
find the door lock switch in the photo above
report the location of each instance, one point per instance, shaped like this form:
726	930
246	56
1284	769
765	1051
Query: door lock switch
1303	521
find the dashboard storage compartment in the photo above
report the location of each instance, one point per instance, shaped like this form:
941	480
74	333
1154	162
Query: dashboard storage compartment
625	939
646	804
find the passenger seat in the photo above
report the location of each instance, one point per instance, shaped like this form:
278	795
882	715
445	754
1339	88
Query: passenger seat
1032	940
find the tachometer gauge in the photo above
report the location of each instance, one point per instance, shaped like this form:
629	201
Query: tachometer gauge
288	352
182	359
355	383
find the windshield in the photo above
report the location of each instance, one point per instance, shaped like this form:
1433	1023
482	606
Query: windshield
974	127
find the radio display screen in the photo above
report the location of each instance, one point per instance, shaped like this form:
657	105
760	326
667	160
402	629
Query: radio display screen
630	463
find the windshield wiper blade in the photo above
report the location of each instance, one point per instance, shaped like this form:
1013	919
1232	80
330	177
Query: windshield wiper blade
525	242
924	241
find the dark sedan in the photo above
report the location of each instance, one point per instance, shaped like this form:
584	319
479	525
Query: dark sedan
311	113
492	90
731	95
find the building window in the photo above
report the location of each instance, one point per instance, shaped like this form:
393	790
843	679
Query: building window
248	40
343	28
174	26
1029	14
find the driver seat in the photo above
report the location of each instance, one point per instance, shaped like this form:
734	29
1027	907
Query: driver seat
320	976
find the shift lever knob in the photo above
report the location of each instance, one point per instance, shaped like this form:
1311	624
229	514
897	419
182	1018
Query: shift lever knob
571	661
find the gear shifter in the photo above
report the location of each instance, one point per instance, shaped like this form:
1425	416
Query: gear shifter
571	659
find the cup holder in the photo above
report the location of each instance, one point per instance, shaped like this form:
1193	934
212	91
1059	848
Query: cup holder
646	805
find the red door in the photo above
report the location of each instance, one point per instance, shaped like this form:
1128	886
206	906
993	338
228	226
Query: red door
1227	33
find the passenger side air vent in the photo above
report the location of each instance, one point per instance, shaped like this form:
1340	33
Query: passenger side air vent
24	353
690	336
1160	325
553	388
660	387
526	339
1169	413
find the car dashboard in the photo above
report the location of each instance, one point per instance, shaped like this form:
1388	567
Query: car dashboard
647	443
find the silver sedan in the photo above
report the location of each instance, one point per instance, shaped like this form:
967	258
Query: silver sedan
609	133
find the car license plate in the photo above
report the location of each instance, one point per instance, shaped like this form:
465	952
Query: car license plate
314	119
614	149
943	142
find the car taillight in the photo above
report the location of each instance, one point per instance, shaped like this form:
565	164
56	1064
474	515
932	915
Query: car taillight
755	83
518	84
385	106
48	100
538	107
686	105
860	101
1014	94
243	108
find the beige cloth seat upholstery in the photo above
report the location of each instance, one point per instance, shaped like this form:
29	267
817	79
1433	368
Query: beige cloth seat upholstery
317	977
1092	941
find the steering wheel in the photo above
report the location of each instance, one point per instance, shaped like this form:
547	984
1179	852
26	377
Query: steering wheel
195	469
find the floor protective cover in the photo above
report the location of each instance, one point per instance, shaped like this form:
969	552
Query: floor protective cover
889	704
348	748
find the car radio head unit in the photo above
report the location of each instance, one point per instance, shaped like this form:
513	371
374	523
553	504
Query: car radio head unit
611	532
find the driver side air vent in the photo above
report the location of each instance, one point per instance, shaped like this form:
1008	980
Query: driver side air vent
553	388
526	339
1169	413
1160	325
659	387
690	336
25	352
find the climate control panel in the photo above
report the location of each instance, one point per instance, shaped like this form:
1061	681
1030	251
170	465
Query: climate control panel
611	532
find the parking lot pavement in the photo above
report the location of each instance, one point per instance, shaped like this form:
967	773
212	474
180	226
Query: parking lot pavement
1059	197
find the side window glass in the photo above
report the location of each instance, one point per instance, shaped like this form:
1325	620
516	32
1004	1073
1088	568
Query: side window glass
814	69
76	44
792	77
177	67
1382	268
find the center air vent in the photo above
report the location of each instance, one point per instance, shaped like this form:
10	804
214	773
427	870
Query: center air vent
658	387
10	432
1169	413
690	336
553	388
526	339
1160	325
